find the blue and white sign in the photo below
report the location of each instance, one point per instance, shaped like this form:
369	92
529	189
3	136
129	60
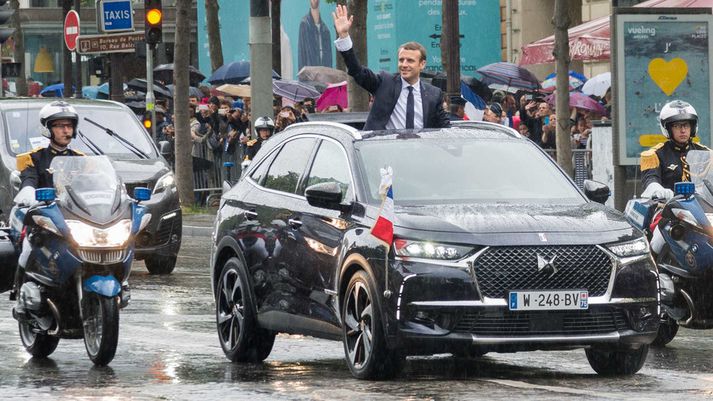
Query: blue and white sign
115	16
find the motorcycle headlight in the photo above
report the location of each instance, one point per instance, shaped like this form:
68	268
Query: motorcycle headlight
429	250
88	236
167	182
630	248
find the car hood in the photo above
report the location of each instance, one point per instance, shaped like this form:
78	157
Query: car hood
502	224
132	171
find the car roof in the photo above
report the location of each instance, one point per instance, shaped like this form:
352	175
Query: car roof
37	102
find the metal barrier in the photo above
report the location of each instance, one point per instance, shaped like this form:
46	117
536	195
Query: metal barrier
582	162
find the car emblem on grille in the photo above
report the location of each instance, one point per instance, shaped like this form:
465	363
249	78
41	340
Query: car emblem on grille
542	237
546	265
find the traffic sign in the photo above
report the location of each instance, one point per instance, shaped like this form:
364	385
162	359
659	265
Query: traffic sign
115	16
71	30
109	43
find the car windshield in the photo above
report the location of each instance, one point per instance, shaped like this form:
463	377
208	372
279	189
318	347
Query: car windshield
23	130
465	170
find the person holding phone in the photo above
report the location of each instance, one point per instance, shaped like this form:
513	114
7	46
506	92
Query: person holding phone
285	117
533	114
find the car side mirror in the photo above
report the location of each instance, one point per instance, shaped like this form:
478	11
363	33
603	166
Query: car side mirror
596	191
327	195
165	148
15	180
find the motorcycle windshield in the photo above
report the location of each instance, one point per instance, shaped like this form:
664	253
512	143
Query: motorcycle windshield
700	165
87	183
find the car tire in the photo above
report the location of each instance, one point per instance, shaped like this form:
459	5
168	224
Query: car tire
367	354
617	362
160	264
667	332
240	336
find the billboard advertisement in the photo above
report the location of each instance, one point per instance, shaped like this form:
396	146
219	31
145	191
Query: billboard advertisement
660	57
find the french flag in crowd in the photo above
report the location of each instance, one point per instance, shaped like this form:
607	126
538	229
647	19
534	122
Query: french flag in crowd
383	229
475	105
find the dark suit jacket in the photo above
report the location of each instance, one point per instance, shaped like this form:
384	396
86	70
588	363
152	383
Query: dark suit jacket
386	89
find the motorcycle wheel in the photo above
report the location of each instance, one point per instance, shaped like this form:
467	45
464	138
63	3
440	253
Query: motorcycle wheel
160	264
667	331
36	344
101	327
617	362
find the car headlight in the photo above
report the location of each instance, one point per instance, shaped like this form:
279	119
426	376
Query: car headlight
429	250
636	247
89	236
164	183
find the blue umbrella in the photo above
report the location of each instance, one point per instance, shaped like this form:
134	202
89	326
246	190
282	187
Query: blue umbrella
90	92
56	90
233	73
508	74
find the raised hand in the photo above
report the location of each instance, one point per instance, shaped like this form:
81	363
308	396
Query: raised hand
342	21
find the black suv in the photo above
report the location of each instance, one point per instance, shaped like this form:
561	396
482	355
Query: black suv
495	250
142	166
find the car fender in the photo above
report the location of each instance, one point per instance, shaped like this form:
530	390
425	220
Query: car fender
225	243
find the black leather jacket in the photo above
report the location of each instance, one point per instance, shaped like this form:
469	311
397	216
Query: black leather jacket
666	163
34	165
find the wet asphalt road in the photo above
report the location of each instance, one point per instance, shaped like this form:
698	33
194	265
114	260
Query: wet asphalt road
168	350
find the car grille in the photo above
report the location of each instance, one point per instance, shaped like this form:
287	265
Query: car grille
500	269
131	185
102	257
166	227
543	323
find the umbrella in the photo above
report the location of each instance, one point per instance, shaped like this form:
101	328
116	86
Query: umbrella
192	91
235	90
325	75
233	73
140	85
90	91
56	90
294	90
576	80
598	85
164	72
580	101
334	94
508	74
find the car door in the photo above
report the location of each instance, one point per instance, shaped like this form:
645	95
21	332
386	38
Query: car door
320	231
271	205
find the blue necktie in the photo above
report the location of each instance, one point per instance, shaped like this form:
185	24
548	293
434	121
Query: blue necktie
409	108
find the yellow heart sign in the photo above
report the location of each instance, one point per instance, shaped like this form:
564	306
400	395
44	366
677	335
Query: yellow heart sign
667	75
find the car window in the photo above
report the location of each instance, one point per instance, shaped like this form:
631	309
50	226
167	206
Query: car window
288	166
25	132
465	170
330	164
261	170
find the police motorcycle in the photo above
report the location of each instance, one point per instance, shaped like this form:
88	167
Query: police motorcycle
80	247
685	262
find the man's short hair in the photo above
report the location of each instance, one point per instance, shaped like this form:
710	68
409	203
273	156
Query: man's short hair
414	46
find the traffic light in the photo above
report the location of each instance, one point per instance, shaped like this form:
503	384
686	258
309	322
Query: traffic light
147	121
153	21
6	12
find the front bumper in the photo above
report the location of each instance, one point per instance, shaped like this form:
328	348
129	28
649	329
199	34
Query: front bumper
439	307
162	236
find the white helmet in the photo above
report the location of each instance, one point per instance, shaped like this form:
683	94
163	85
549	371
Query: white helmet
677	110
264	122
58	110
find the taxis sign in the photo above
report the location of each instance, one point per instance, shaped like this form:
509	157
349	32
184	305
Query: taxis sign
115	16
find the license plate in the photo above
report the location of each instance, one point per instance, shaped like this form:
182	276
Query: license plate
548	300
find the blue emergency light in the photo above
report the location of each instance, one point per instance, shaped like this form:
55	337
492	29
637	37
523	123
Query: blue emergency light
142	193
684	188
228	164
45	194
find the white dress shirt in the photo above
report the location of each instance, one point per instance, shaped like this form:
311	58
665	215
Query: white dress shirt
398	115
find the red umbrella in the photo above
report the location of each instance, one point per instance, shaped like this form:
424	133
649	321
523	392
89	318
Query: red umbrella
580	101
334	94
590	41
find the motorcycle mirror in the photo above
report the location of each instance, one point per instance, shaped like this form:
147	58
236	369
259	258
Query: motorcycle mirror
142	193
45	194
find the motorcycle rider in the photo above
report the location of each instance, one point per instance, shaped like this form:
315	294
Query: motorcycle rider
59	122
665	164
264	128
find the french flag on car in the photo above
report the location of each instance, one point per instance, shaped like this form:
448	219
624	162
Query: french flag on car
383	229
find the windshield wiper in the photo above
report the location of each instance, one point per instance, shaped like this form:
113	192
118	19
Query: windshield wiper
121	140
90	144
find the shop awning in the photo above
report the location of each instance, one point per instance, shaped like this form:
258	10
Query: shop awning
590	41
